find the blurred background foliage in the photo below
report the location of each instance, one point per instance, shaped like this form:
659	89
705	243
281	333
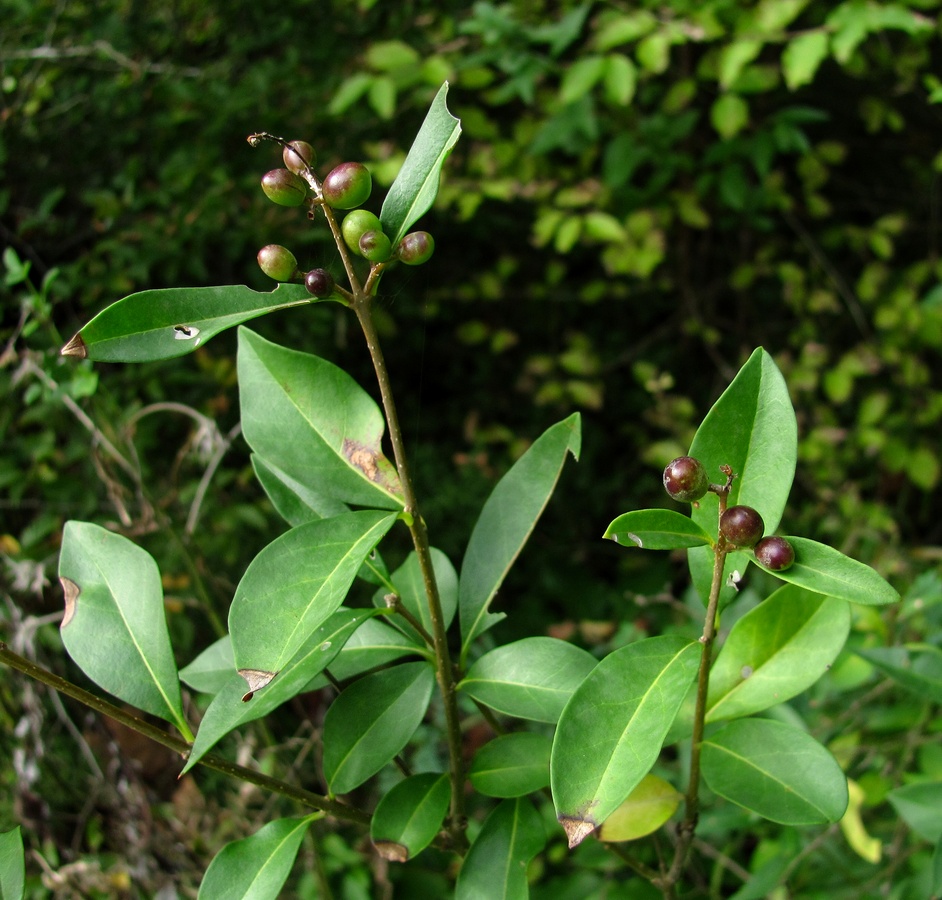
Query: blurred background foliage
643	193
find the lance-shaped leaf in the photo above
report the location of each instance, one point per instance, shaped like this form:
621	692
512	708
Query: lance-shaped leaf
512	765
647	808
12	865
309	419
163	324
506	521
114	626
657	529
751	428
409	816
917	667
410	585
776	651
294	585
611	731
496	864
228	710
531	678
257	866
371	721
416	186
374	644
823	569
775	770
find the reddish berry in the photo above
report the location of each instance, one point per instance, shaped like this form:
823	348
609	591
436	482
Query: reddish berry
374	246
298	156
277	262
284	187
347	186
775	553
742	526
416	248
685	479
320	283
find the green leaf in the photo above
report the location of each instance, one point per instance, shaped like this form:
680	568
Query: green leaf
734	57
114	626
12	865
371	721
917	668
611	731
802	56
410	585
580	78
228	710
937	868
212	669
416	186
496	864
294	585
776	651
506	521
729	114
256	867
657	529
407	819
775	770
373	644
920	806
823	569
621	79
647	808
512	765
529	679
308	419
752	428
167	323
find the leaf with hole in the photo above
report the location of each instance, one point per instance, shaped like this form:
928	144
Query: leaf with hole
657	529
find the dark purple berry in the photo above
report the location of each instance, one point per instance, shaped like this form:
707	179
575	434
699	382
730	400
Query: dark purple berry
775	553
284	187
355	225
742	526
320	283
347	186
685	479
374	246
299	156
277	262
416	248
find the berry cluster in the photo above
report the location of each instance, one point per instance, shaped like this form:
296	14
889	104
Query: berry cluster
346	187
685	479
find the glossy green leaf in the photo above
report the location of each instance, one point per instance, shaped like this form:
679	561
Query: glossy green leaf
823	569
310	420
512	765
645	810
506	522
752	428
496	864
294	585
410	585
407	819
776	651
163	324
114	626
371	721
530	679
920	807
416	186
12	865
611	731
917	668
212	669
657	529
228	710
256	867
775	770
802	56
373	644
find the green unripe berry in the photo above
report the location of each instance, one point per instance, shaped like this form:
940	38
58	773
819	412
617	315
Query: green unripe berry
774	553
355	225
416	248
742	526
284	188
347	186
685	479
299	156
374	246
320	283
277	262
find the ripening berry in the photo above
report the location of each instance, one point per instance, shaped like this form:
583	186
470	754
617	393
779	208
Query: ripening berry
774	553
284	187
355	225
296	154
374	246
277	262
685	479
416	248
742	526
347	186
320	283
